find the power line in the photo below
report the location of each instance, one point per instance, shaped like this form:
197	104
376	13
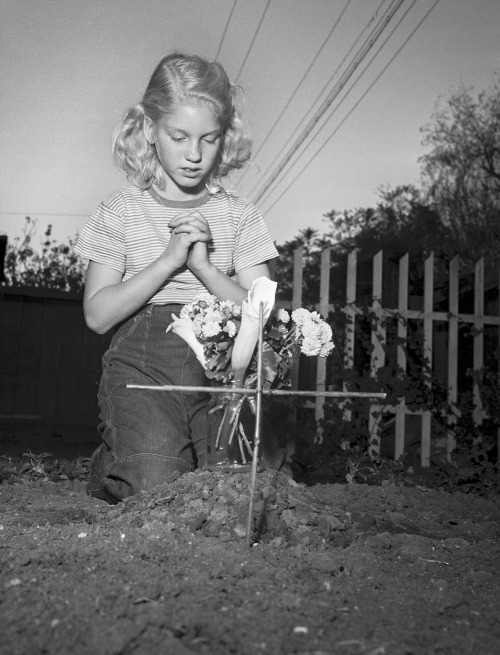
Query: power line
356	81
351	69
332	134
297	87
253	40
225	30
304	117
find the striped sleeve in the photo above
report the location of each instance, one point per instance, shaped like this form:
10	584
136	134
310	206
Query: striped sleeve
102	238
253	243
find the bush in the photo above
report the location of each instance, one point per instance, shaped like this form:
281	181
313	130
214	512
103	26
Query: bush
54	267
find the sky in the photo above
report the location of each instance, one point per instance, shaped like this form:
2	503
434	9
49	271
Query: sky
69	69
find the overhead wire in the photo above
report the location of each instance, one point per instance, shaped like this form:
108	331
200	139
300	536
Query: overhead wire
298	85
311	107
350	70
253	40
350	89
225	30
353	108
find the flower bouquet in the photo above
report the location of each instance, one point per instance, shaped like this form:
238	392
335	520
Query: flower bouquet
224	336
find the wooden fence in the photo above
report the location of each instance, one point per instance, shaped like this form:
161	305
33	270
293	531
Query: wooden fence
50	369
447	350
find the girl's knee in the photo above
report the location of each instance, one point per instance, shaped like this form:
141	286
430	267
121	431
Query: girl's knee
141	472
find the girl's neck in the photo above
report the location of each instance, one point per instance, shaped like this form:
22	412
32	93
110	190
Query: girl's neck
180	197
194	200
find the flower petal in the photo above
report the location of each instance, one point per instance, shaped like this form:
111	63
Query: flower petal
183	327
263	291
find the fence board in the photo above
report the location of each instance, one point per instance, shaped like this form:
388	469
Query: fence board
294	372
10	344
425	441
453	291
350	323
402	332
28	363
324	305
478	340
51	362
378	339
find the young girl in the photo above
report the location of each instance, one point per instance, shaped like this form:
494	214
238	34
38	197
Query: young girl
152	247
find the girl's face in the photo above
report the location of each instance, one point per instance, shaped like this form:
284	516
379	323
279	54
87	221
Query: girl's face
188	143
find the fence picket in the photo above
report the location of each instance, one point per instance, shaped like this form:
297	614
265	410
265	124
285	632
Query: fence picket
498	364
294	371
378	353
452	355
350	324
478	348
324	305
399	440
425	441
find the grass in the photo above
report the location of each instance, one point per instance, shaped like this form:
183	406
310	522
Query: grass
43	466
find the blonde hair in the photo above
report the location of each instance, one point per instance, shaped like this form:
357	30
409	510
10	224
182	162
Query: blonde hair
181	79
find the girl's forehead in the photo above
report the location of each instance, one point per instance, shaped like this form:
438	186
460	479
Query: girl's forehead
193	116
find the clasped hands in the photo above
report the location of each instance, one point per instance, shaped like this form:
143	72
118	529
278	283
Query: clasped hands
189	236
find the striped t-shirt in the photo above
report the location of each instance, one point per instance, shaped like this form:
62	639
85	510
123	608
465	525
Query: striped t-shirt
129	230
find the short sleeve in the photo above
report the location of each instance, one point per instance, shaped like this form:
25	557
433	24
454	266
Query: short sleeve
253	243
102	238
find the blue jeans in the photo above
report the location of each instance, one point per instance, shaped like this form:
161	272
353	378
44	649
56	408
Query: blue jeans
148	436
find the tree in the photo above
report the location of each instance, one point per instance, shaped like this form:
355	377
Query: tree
402	222
461	173
313	245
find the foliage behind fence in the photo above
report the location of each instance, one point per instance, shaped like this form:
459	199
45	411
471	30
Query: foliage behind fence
427	352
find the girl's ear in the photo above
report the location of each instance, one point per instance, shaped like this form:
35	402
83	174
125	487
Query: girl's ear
149	131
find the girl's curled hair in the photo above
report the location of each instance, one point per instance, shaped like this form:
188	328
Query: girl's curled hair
177	80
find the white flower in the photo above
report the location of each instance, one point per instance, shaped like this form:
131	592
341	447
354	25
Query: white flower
283	316
262	292
308	328
314	334
183	327
230	328
210	329
207	298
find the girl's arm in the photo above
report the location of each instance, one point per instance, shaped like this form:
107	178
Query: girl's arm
224	287
108	301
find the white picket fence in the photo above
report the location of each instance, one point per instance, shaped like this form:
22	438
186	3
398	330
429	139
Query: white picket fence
428	316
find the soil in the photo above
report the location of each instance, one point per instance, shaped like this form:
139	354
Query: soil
327	568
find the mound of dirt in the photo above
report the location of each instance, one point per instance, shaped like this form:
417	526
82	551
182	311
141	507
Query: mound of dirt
216	504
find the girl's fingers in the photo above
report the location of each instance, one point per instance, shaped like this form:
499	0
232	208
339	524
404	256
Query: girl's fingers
191	236
194	229
182	219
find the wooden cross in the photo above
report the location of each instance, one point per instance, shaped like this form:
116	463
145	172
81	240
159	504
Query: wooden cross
257	392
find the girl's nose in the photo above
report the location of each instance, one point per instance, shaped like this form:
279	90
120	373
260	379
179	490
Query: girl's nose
194	152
